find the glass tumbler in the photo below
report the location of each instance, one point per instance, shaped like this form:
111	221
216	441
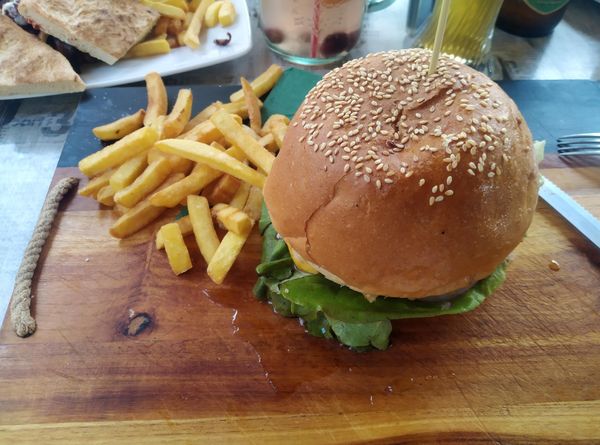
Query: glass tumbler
469	31
312	32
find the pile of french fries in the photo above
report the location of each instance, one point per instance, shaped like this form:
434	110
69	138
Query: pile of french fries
181	22
211	163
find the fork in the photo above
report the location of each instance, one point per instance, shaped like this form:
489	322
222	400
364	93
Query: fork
579	144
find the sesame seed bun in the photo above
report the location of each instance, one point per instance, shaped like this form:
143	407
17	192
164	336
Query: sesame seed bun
401	184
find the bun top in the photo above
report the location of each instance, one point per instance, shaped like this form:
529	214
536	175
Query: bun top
401	184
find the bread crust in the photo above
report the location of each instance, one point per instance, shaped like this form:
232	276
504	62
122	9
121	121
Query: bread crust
29	66
450	210
104	29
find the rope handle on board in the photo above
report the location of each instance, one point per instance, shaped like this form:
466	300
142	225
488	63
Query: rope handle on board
20	306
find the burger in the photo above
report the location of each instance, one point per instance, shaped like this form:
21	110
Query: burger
396	194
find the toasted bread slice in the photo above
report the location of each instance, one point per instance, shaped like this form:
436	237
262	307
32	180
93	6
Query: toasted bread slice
105	29
29	66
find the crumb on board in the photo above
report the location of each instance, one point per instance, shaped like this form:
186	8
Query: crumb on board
553	265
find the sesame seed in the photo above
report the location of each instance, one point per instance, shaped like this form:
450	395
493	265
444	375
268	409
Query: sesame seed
421	182
471	172
449	192
439	198
388	181
434	189
431	200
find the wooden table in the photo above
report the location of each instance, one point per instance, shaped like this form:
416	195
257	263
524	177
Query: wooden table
514	407
32	132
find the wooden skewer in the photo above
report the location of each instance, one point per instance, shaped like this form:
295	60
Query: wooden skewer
439	36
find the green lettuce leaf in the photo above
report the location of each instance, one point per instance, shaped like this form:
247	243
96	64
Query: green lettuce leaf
329	310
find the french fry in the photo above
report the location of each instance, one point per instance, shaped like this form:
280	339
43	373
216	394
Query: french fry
205	132
241	196
177	252
239	108
121	127
253	205
95	184
142	214
179	164
153	176
154	154
106	195
222	143
222	190
188	19
211	18
121	210
117	153
201	176
128	171
199	152
179	116
180	38
202	226
157	98
165	9
233	219
161	26
159	125
203	115
236	135
222	148
251	132
149	48
182	4
227	14
225	256
268	141
262	84
252	105
191	184
185	225
277	125
191	37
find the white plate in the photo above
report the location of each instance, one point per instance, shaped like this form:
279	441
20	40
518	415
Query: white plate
178	60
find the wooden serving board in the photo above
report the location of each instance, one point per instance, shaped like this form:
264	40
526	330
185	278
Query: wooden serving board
125	352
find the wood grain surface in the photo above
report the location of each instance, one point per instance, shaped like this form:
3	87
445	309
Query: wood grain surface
126	352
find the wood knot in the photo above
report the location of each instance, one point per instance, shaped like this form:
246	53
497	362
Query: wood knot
137	324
